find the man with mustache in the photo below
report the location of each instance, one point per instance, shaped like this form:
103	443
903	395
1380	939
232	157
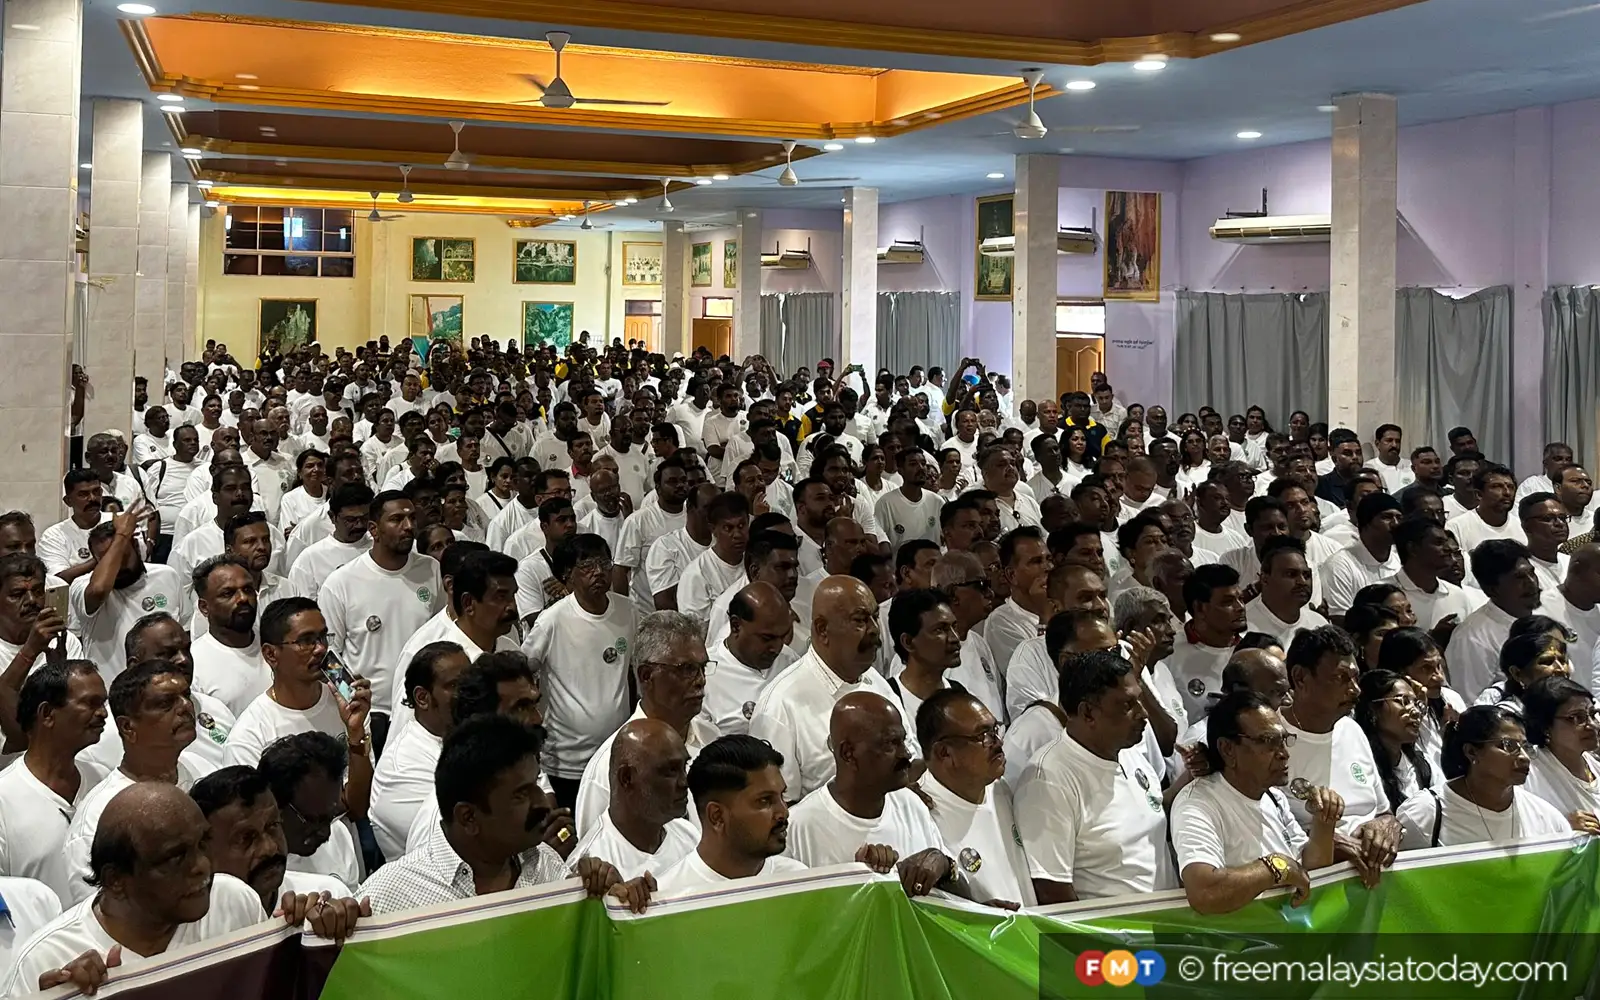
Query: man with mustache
64	546
644	828
104	605
227	659
1280	609
868	812
306	774
30	630
403	780
487	785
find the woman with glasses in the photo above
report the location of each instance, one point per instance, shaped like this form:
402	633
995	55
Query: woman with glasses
1524	660
1486	760
1412	653
1390	712
1561	721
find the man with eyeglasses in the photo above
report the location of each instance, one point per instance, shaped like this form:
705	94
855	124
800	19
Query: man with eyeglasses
306	775
670	664
1546	523
970	597
582	645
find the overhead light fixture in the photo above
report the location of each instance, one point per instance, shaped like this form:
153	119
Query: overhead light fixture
832	147
136	9
204	184
842	200
1151	64
1080	84
245	76
1225	37
190	150
213	203
702	181
1327	109
1248	134
24	27
169	98
85	166
996	176
172	109
719	177
866	140
630	201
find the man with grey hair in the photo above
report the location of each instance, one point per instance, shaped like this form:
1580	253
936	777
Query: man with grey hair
670	664
960	576
1142	616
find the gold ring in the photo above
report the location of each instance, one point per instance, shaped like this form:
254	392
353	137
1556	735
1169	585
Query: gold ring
564	835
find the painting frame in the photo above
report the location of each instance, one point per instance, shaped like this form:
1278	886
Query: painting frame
431	328
517	263
268	305
561	314
637	260
449	259
1130	266
700	265
994	278
730	263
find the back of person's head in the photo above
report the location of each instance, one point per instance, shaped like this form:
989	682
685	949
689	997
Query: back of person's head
478	687
1495	559
475	571
226	786
1086	676
475	755
288	761
725	765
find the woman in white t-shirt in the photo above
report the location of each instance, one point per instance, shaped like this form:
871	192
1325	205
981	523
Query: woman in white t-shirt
1075	461
1193	468
1412	653
1486	759
1524	661
501	491
1390	712
1561	721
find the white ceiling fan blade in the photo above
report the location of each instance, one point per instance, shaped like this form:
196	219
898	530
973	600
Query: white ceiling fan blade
607	100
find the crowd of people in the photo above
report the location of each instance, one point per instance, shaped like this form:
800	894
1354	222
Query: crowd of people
335	636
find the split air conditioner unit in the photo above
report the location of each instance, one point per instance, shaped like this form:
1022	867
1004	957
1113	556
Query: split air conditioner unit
1260	228
901	252
788	259
1073	241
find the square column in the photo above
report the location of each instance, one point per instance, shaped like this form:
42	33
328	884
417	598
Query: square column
191	287
675	328
1033	276
858	340
177	270
113	263
39	81
747	298
150	295
374	237
1533	134
1361	375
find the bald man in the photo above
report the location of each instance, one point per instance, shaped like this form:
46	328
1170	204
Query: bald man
793	711
1261	671
1576	604
868	812
843	542
753	653
644	828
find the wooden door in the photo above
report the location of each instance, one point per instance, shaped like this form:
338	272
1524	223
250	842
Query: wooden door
1076	359
715	335
640	328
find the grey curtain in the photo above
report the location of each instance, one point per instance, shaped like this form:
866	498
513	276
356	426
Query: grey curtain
918	328
771	343
1235	351
807	329
1456	358
1572	368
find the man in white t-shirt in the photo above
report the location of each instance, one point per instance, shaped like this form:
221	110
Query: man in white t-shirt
30	905
912	511
227	659
306	773
123	588
30	629
1368	560
748	657
349	505
64	546
648	523
402	783
643	828
1494	516
1282	607
1423	548
722	564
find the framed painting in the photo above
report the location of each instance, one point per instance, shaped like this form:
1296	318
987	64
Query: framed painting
993	283
285	324
547	323
546	262
641	263
436	258
1132	260
730	263
437	317
700	265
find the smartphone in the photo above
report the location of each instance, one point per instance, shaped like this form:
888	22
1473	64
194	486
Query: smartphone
339	675
56	598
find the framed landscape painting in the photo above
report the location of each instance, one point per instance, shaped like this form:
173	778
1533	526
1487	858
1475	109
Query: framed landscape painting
546	262
284	324
437	317
1133	246
641	263
730	263
436	258
994	273
700	265
547	323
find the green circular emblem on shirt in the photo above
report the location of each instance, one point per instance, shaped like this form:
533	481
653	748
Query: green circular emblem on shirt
424	595
1358	772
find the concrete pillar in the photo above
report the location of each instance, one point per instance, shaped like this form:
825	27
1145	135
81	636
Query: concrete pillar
1532	137
747	299
858	339
177	270
675	329
38	203
113	263
191	286
1033	276
372	252
1361	375
150	296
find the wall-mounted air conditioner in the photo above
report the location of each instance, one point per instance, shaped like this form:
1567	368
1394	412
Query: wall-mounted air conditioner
788	259
1259	227
1074	241
902	252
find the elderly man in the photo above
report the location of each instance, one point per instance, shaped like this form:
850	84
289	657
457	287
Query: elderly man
752	654
643	828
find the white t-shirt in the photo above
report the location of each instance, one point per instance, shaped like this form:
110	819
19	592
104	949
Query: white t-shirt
234	907
980	674
401	783
264	722
1259	618
1008	627
1341	760
904	521
669	557
1028	734
159	589
647	524
1466	822
64	544
1471	530
1214	823
371	612
86	819
1433	607
1096	824
692	874
1351	569
1198	670
337	858
1030	677
732	689
511	518
821	833
605	842
704	579
30	905
594	790
1586	624
583	662
9	651
297	505
234	677
1550	780
1475	650
320	559
34	822
984	840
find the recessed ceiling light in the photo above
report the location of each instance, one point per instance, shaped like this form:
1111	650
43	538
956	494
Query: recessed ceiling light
996	176
85	166
1224	37
1248	134
248	86
137	9
204	184
833	147
213	203
1150	65
842	201
1327	109
24	27
630	201
169	98
190	150
1080	84
866	140
702	181
172	109
719	177
245	76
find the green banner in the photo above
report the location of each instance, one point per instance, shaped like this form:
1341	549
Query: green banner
1495	922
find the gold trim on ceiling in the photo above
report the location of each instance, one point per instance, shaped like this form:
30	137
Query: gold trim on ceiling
359	185
326	198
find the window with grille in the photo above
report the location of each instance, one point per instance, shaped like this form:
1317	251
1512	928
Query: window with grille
298	242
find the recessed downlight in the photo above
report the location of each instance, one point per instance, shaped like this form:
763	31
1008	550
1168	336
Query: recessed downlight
136	9
245	76
1080	84
248	86
1247	134
996	176
169	98
172	109
85	166
832	147
1151	65
719	177
1327	109
866	140
1224	37
702	181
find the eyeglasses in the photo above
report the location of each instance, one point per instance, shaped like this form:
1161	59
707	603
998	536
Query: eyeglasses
1581	718
1272	741
602	566
988	736
1511	745
1403	702
1551	518
983	586
338	814
687	669
307	643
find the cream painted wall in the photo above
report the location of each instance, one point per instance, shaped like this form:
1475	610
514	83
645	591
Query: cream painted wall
351	311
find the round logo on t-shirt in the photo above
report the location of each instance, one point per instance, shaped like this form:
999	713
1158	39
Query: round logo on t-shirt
748	709
899	530
970	860
83	553
424	595
1197	687
1143	779
610	655
149	603
1358	772
374	623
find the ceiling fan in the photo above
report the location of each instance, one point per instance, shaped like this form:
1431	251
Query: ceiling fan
666	203
458	160
376	216
587	223
556	94
790	179
1030	127
405	197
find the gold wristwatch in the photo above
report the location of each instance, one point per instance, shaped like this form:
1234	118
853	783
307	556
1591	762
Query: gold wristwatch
1278	865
